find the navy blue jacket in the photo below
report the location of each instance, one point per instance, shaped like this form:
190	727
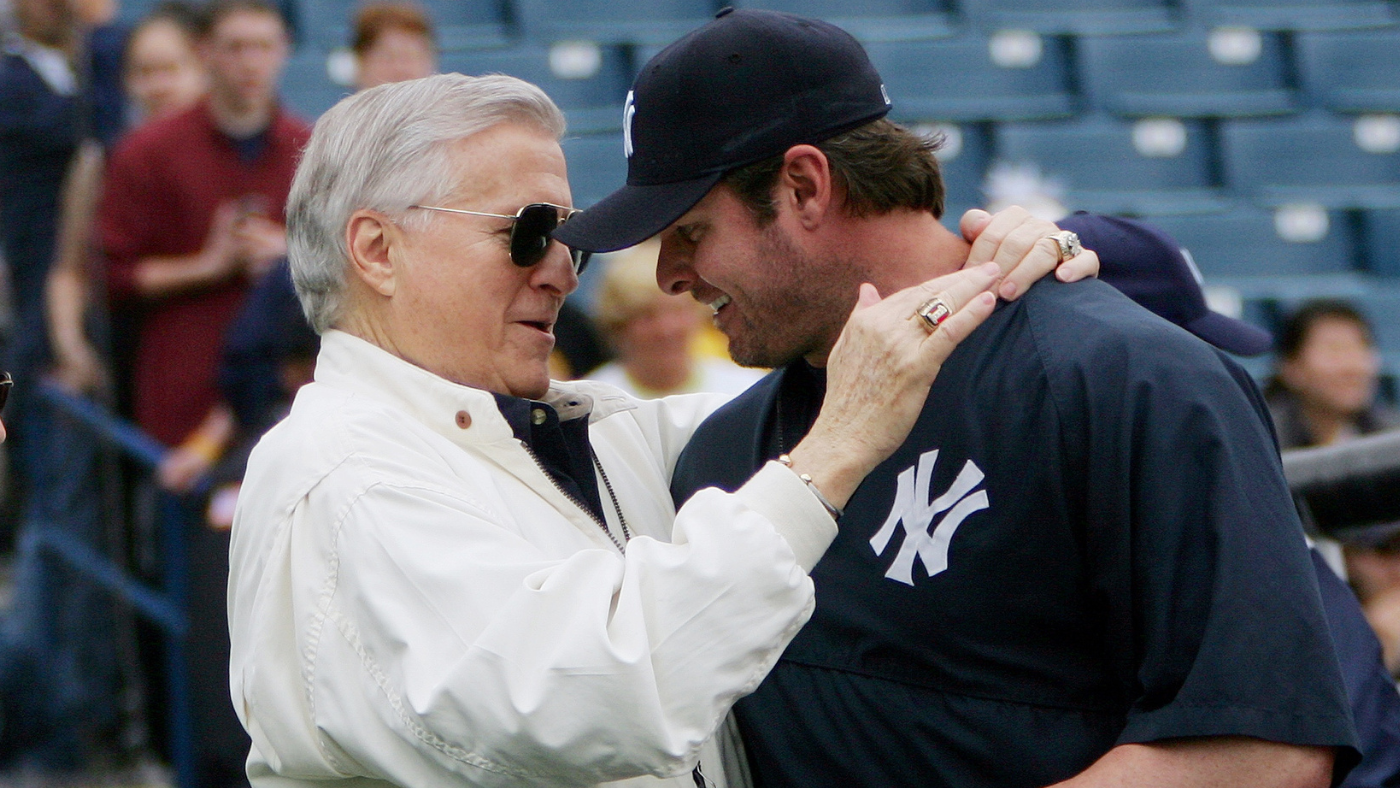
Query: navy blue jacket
1086	541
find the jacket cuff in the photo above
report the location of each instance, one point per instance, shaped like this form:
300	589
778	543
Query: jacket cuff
776	493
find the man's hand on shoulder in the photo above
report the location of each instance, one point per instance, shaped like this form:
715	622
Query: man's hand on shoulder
1022	246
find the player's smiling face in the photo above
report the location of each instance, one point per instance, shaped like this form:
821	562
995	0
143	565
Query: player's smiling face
773	301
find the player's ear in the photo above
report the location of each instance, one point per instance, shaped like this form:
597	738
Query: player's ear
805	184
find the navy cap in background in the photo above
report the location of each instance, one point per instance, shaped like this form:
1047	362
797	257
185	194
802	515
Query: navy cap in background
1150	267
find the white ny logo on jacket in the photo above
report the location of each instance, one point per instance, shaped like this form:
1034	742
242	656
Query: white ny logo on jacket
913	509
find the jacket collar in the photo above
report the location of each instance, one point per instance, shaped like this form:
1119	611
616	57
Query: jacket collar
350	363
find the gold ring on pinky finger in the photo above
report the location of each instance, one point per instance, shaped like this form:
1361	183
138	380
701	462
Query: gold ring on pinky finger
1067	243
933	312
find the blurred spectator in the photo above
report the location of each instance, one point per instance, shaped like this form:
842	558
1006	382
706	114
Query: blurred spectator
190	219
1324	386
393	42
1323	391
162	75
655	335
59	85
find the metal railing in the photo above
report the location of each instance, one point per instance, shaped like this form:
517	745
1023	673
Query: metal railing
165	606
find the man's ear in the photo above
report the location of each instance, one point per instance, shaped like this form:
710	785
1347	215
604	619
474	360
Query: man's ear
372	239
805	184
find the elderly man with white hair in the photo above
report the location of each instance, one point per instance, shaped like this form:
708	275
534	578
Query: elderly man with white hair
446	569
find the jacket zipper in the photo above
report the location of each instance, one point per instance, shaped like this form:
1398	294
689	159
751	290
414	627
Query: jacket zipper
572	498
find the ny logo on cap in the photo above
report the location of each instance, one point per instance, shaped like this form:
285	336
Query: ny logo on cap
628	113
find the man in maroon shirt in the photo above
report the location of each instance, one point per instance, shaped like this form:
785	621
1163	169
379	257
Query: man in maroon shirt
191	217
192	214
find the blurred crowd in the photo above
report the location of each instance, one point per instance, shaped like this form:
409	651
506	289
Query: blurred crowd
143	175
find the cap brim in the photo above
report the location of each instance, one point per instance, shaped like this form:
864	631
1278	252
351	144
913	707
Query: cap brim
1229	334
633	214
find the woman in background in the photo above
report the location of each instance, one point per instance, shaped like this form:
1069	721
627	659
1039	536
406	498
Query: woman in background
663	343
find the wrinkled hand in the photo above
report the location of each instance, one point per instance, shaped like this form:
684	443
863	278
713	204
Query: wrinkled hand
879	374
1017	242
261	243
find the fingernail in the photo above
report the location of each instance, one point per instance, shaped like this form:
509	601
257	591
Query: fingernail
1008	289
988	298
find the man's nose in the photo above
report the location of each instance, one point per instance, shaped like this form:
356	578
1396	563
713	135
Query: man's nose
556	271
674	273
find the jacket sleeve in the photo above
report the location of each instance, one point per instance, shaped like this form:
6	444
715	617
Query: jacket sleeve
501	662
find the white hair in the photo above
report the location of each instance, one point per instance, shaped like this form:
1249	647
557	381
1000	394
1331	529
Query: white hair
385	149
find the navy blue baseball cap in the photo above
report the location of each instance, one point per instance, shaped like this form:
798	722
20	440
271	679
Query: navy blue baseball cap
746	86
1150	267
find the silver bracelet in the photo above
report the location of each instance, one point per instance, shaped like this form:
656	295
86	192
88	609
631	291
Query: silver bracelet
831	509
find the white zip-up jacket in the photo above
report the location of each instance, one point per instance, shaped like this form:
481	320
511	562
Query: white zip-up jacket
413	601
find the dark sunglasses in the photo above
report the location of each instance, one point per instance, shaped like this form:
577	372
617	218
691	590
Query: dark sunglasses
6	383
530	232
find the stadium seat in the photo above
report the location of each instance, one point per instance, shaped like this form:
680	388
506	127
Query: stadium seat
1353	71
1237	72
962	161
596	166
1257	242
1382	306
871	20
461	24
307	88
1152	166
1381	233
611	21
589	82
1292	14
1018	76
1072	16
1343	162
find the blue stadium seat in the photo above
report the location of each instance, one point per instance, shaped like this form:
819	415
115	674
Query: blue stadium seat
1073	16
1292	14
1153	166
612	21
959	79
588	82
1354	71
1315	158
461	24
871	20
1382	307
306	87
596	166
1381	232
963	163
1195	74
1247	242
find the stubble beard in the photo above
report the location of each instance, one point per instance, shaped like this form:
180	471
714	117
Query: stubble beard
799	313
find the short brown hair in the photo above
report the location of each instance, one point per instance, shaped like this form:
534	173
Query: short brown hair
217	11
375	18
881	165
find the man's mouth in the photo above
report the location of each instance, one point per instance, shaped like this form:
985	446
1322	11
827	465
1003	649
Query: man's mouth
546	327
720	303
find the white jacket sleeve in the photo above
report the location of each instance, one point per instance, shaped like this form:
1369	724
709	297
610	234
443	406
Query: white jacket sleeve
500	661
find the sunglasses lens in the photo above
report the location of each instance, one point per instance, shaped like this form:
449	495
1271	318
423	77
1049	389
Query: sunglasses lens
529	239
581	259
6	383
